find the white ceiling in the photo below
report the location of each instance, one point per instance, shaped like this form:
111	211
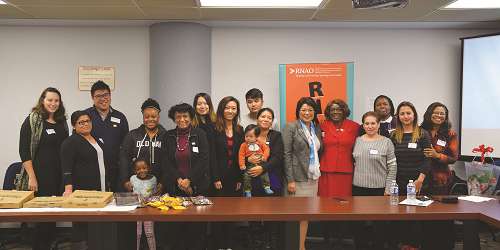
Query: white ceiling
331	13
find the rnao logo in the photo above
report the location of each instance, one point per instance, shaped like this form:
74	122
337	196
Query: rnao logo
301	70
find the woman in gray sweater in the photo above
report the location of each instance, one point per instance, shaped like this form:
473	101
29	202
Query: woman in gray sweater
375	169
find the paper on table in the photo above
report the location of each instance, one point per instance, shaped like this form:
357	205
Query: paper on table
419	204
474	198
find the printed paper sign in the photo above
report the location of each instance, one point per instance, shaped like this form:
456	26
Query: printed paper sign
88	75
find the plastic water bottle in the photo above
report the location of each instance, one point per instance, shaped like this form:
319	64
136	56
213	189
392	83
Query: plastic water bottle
411	191
394	193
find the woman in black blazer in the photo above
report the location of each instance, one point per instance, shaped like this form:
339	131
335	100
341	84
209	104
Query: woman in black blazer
225	137
185	164
82	165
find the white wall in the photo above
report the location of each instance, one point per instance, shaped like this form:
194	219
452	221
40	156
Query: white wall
33	58
420	66
417	65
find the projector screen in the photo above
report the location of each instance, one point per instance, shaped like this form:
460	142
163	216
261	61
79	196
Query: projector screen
480	93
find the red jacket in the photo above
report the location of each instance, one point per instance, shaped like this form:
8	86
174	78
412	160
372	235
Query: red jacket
337	154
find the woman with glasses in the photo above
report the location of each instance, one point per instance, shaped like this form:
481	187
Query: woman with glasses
82	163
303	146
41	136
337	166
443	151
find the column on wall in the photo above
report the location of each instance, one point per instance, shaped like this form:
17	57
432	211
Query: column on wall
180	64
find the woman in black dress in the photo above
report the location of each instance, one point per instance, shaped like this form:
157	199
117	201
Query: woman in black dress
82	163
42	134
224	138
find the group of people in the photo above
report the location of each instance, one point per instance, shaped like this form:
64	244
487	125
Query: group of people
213	152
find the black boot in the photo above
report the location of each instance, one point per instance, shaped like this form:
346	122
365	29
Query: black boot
256	231
325	226
272	228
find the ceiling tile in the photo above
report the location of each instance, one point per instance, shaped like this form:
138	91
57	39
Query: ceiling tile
85	12
71	3
257	13
7	11
167	3
489	15
170	13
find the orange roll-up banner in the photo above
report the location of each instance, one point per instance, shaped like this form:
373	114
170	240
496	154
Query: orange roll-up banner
321	81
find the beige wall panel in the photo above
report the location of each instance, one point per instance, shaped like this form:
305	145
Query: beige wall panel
254	14
170	13
85	12
7	11
489	15
62	3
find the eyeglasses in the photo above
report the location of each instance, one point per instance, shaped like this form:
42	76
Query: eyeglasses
307	110
338	110
423	198
439	114
99	97
81	123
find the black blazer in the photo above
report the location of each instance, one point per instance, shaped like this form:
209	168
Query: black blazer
79	163
199	175
275	159
219	154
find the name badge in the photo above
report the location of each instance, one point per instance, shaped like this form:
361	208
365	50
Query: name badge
195	149
441	143
100	139
116	120
50	131
412	145
322	134
373	151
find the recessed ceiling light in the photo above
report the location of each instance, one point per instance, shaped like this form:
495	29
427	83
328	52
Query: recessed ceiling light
2	2
474	4
260	3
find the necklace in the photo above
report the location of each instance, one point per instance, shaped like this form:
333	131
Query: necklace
187	142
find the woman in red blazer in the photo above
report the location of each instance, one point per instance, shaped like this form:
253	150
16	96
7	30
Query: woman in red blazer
336	164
